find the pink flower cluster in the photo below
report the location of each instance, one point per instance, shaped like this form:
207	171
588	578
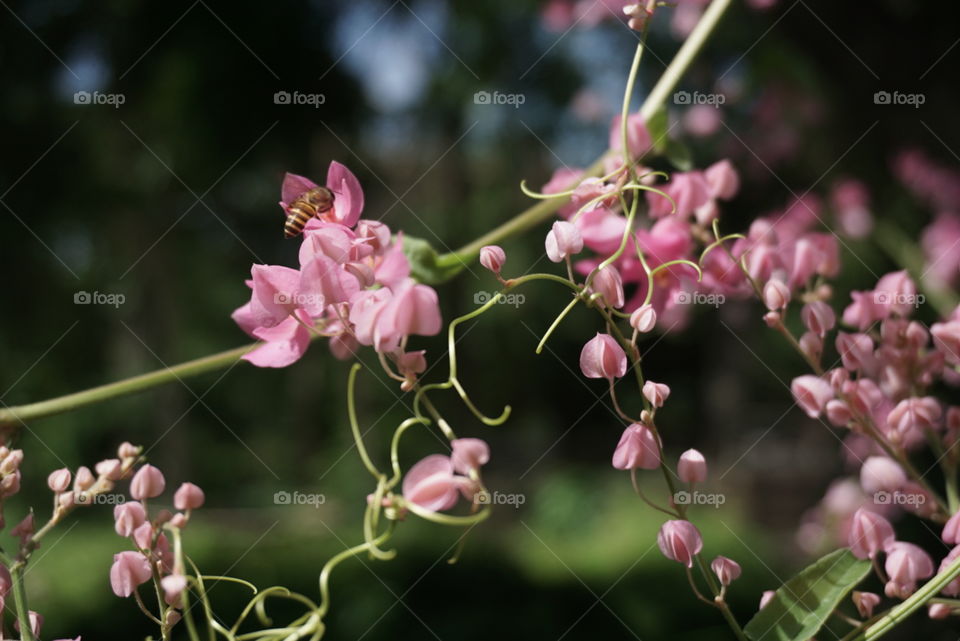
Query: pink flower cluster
437	481
153	555
352	286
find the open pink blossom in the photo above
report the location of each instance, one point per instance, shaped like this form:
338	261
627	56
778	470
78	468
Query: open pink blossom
811	393
680	541
563	240
869	534
469	454
638	449
688	191
129	570
348	195
727	570
905	565
432	485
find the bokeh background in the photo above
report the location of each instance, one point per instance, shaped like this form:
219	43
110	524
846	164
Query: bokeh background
168	198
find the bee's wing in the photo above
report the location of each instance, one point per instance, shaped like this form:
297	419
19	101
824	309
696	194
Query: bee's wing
295	186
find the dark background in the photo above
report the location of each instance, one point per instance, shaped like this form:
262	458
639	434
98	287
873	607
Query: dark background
169	198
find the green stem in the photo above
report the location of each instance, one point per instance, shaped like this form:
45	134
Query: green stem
20	599
22	413
655	99
916	601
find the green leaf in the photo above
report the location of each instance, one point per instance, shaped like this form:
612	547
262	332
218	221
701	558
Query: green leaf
657	126
678	154
424	266
802	605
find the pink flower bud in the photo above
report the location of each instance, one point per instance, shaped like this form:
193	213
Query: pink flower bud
173	587
188	497
469	454
129	570
431	484
766	598
36	623
946	338
772	319
638	448
905	565
811	393
865	602
856	350
914	415
643	319
692	468
881	474
680	541
656	393
818	317
147	483
938	610
10	484
602	357
563	240
180	520
811	345
128	450
11	462
951	531
143	535
84	479
869	534
493	257
727	570
952	588
111	469
609	285
838	413
59	480
128	517
776	295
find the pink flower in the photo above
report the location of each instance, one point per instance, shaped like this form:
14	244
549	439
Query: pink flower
881	474
865	602
869	534
766	598
689	191
563	240
469	454
951	530
432	485
941	246
856	350
128	517
129	570
896	293
188	497
946	339
348	195
680	541
638	449
952	588
59	480
656	393
776	295
608	284
906	564
818	317
493	257
912	417
727	570
811	394
110	469
173	586
602	357
643	319
383	317
723	180
147	483
692	468
851	203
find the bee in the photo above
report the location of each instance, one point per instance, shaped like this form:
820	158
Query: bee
307	205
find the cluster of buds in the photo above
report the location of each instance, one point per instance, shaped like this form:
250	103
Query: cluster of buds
9	475
154	558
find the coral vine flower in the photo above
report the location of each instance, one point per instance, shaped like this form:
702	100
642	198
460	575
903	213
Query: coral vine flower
433	484
680	541
129	570
348	196
602	357
638	449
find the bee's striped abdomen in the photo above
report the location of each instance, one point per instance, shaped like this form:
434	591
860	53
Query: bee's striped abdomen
310	204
